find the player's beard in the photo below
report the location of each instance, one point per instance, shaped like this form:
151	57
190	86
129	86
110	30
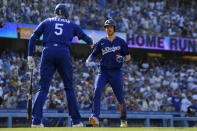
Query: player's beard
110	33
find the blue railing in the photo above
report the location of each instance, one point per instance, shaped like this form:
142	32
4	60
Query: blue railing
167	118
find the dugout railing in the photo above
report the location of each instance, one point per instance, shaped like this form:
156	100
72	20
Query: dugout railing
168	119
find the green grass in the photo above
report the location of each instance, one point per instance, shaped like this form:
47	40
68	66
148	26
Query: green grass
100	129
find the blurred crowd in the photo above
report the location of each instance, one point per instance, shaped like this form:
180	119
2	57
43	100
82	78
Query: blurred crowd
157	17
152	84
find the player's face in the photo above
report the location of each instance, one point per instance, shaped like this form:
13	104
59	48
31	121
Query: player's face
110	30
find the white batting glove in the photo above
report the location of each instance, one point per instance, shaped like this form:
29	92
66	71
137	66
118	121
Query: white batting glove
31	62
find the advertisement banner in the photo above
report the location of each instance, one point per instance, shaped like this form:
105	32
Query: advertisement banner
162	43
25	33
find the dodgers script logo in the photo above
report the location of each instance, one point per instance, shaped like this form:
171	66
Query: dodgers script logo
110	49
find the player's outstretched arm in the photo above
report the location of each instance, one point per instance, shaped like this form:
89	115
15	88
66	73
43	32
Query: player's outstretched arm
35	36
81	35
95	52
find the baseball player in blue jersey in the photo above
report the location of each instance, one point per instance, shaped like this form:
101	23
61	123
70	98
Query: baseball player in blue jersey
57	34
114	51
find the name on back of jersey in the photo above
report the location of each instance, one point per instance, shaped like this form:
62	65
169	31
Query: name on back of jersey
59	19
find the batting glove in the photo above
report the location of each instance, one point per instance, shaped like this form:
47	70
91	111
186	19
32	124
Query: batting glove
31	62
120	59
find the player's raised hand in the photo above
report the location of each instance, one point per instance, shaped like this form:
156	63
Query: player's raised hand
92	46
31	62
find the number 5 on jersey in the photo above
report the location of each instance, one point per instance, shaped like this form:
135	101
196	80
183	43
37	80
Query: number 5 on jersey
58	29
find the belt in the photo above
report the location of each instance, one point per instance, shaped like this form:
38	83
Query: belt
55	45
109	68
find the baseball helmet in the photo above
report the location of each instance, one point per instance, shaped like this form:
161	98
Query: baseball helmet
110	22
61	9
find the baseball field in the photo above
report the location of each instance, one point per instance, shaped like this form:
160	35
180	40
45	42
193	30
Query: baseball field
100	129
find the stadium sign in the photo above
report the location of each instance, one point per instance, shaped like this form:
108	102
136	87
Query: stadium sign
25	33
162	43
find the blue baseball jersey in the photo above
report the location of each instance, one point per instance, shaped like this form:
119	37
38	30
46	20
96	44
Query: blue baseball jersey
57	30
109	50
57	33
